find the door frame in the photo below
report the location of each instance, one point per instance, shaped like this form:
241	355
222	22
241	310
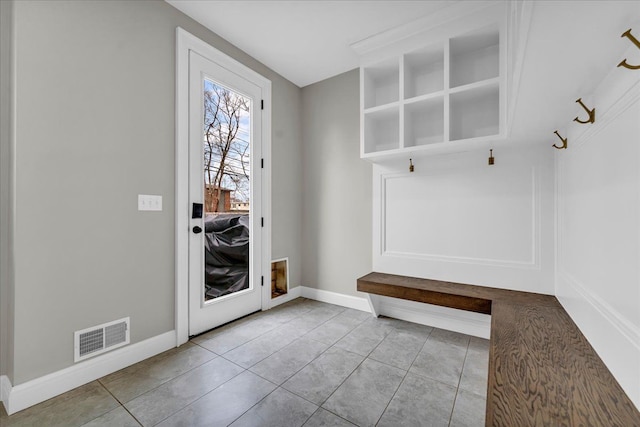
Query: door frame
186	42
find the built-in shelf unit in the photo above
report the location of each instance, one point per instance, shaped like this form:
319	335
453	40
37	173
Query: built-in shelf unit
446	92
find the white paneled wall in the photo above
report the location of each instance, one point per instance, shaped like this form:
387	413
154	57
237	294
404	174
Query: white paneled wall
457	219
598	221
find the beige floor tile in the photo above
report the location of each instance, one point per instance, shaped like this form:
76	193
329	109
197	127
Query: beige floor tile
142	377
73	408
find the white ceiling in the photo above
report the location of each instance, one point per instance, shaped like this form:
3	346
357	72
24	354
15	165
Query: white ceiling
571	46
304	41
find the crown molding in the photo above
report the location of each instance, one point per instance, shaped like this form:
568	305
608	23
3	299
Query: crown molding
441	17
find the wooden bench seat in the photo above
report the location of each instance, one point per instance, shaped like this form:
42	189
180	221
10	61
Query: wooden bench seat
542	370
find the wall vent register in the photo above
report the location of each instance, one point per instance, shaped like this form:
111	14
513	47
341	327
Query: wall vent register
99	339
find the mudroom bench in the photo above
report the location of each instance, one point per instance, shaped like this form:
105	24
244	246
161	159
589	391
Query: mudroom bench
542	370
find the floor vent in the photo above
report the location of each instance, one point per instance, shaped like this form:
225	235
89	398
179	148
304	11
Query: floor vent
99	339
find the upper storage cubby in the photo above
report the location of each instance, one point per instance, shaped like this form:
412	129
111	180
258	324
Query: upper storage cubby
381	84
474	57
474	113
440	84
423	72
381	130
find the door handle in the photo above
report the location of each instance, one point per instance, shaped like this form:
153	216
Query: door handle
197	230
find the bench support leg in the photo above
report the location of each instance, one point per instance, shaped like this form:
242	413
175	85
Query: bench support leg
373	305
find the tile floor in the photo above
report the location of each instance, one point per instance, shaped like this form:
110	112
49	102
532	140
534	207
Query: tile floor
301	363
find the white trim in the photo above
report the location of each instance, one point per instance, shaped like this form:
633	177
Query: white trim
465	322
266	189
603	309
520	12
40	389
289	296
358	303
417	28
381	253
5	390
186	42
286	263
181	188
282	298
613	339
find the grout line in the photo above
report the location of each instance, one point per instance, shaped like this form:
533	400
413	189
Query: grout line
163	382
331	412
464	362
278	325
257	403
269	331
121	405
201	397
261	317
455	399
404	377
358	366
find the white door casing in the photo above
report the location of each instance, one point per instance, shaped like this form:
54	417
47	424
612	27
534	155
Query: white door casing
218	67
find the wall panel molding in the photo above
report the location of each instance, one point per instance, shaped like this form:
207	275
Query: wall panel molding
617	320
532	262
457	219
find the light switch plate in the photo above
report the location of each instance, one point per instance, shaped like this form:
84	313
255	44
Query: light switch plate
148	202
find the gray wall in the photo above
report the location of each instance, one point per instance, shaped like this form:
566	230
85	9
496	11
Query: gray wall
6	284
95	87
336	217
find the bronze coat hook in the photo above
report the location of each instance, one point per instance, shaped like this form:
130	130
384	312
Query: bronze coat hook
592	114
564	142
635	41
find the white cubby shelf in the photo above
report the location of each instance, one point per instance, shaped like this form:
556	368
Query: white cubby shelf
441	96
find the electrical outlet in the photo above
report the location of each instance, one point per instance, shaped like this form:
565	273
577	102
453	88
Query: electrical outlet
148	202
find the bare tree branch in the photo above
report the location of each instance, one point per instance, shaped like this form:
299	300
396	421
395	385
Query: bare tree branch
226	154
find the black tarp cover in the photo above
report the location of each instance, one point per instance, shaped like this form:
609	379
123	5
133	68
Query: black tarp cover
226	254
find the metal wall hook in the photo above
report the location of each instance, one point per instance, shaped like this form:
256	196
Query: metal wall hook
635	41
491	160
564	142
410	165
592	114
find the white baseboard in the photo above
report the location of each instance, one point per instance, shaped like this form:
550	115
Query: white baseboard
466	322
291	294
615	339
5	389
343	300
40	389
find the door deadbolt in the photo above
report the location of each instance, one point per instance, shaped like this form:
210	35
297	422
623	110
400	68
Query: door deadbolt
197	230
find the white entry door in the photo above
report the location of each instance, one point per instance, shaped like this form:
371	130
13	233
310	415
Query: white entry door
225	130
